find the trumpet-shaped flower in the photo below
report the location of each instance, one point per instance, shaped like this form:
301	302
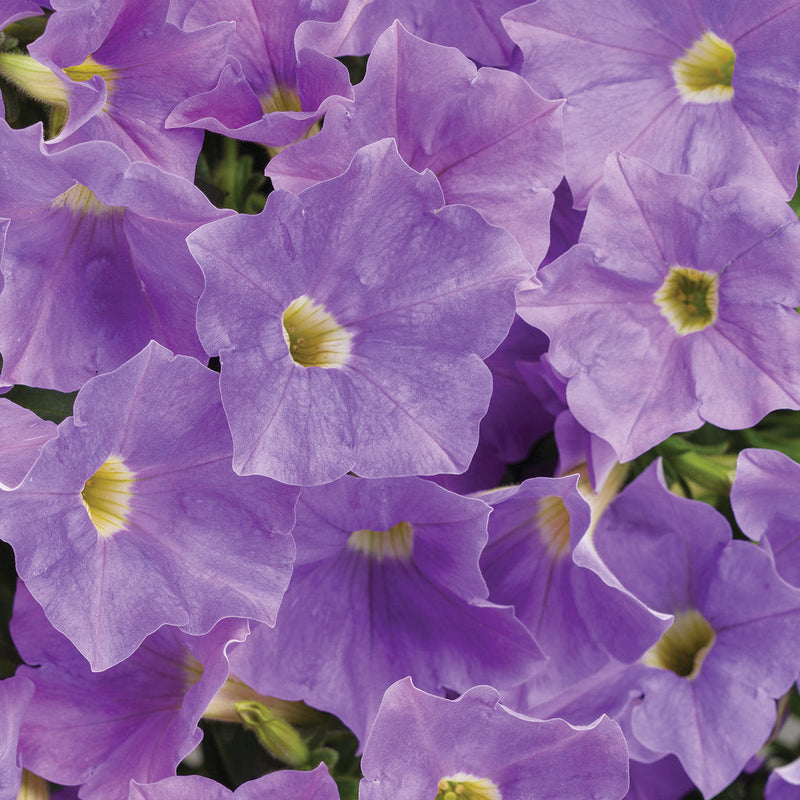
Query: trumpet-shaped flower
474	748
693	87
493	144
684	314
351	323
273	88
386	584
95	261
707	687
136	720
132	518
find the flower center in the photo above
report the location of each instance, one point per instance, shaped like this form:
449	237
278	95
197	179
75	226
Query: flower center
552	522
90	68
313	336
280	98
106	496
683	646
462	786
689	299
705	71
395	543
82	200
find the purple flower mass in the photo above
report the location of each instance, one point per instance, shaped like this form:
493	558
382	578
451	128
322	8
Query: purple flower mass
133	518
684	314
351	322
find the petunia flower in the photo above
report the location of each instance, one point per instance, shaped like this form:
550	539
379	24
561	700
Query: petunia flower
707	687
386	584
684	315
132	518
474	748
703	88
351	323
136	720
273	89
540	560
493	143
118	68
95	263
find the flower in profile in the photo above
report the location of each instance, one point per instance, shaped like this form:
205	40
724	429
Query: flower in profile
494	144
707	687
684	315
386	584
474	748
136	720
316	784
95	263
351	323
697	88
273	88
132	518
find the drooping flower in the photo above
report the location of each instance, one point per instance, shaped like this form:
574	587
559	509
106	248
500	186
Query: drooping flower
95	263
316	784
386	584
132	518
272	89
493	143
136	720
474	748
351	322
700	88
683	315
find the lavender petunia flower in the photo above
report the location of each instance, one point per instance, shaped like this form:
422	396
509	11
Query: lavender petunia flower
784	782
273	89
764	499
474	748
704	88
540	560
685	314
707	686
22	435
316	784
386	584
351	322
494	144
121	69
95	261
133	518
136	720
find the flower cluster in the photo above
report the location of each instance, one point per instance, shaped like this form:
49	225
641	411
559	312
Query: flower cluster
460	461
